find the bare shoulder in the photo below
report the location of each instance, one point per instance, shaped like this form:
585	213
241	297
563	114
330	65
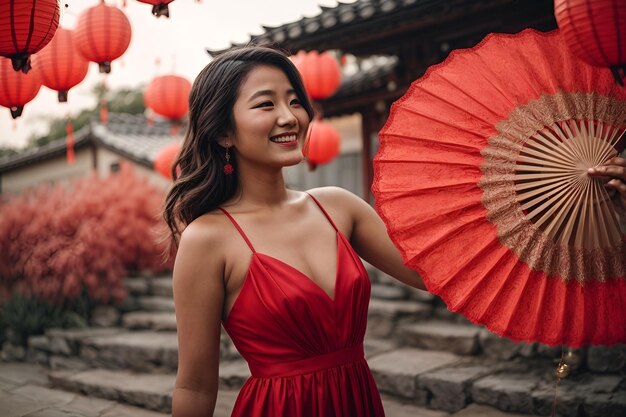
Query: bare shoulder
204	236
335	197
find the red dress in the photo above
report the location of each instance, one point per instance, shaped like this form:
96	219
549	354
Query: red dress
304	349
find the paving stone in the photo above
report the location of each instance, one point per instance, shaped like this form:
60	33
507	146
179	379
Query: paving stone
479	410
13	405
606	359
18	374
388	292
396	408
161	287
441	335
56	412
44	395
396	372
163	304
122	410
448	389
507	391
150	320
233	374
151	391
88	405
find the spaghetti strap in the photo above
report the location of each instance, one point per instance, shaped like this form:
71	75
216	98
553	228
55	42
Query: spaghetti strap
243	235
324	211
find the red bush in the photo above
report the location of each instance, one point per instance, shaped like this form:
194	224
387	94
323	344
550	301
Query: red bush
56	241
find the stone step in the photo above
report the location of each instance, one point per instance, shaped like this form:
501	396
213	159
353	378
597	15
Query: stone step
149	391
155	303
145	320
385	316
114	348
161	287
448	382
461	339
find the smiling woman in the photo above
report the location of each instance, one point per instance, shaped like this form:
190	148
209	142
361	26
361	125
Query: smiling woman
278	268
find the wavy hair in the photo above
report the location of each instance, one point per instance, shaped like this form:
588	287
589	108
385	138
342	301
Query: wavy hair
200	185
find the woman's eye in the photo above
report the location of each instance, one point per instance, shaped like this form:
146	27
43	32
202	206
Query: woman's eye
296	101
265	104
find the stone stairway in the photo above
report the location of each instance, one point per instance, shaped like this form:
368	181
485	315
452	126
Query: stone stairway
426	360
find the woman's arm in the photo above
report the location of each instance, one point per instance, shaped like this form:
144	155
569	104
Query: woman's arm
369	236
198	299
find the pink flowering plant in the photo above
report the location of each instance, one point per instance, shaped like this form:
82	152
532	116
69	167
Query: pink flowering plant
60	243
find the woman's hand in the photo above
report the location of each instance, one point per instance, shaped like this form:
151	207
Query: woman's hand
613	172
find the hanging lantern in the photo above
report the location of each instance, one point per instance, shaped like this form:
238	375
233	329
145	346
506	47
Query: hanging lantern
320	73
17	88
26	26
102	35
159	7
60	66
168	96
165	159
323	143
595	31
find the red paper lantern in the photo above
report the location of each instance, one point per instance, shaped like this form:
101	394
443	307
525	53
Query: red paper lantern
102	35
595	30
159	7
320	73
60	66
165	159
17	88
168	96
26	26
323	143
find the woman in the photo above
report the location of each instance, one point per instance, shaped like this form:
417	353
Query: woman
278	268
275	266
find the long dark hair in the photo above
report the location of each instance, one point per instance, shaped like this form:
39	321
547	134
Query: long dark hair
200	185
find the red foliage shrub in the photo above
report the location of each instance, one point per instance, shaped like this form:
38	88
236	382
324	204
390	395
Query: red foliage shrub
55	242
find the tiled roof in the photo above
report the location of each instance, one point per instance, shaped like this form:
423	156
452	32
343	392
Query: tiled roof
331	28
370	79
132	136
128	135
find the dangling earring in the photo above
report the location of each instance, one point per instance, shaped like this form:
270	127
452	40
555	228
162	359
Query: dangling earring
228	168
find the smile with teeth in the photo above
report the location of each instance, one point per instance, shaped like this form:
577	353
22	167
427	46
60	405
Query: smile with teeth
284	138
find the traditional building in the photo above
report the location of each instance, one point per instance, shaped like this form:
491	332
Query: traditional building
412	34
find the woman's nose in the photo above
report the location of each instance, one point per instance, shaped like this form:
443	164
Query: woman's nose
286	117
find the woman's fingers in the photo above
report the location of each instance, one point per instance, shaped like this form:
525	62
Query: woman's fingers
614	168
618	185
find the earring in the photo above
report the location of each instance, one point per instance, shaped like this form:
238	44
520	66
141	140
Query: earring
228	168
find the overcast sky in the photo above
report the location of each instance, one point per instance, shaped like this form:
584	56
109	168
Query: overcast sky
178	42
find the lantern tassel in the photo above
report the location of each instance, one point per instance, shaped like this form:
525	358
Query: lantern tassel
104	112
16	111
159	10
70	156
21	62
